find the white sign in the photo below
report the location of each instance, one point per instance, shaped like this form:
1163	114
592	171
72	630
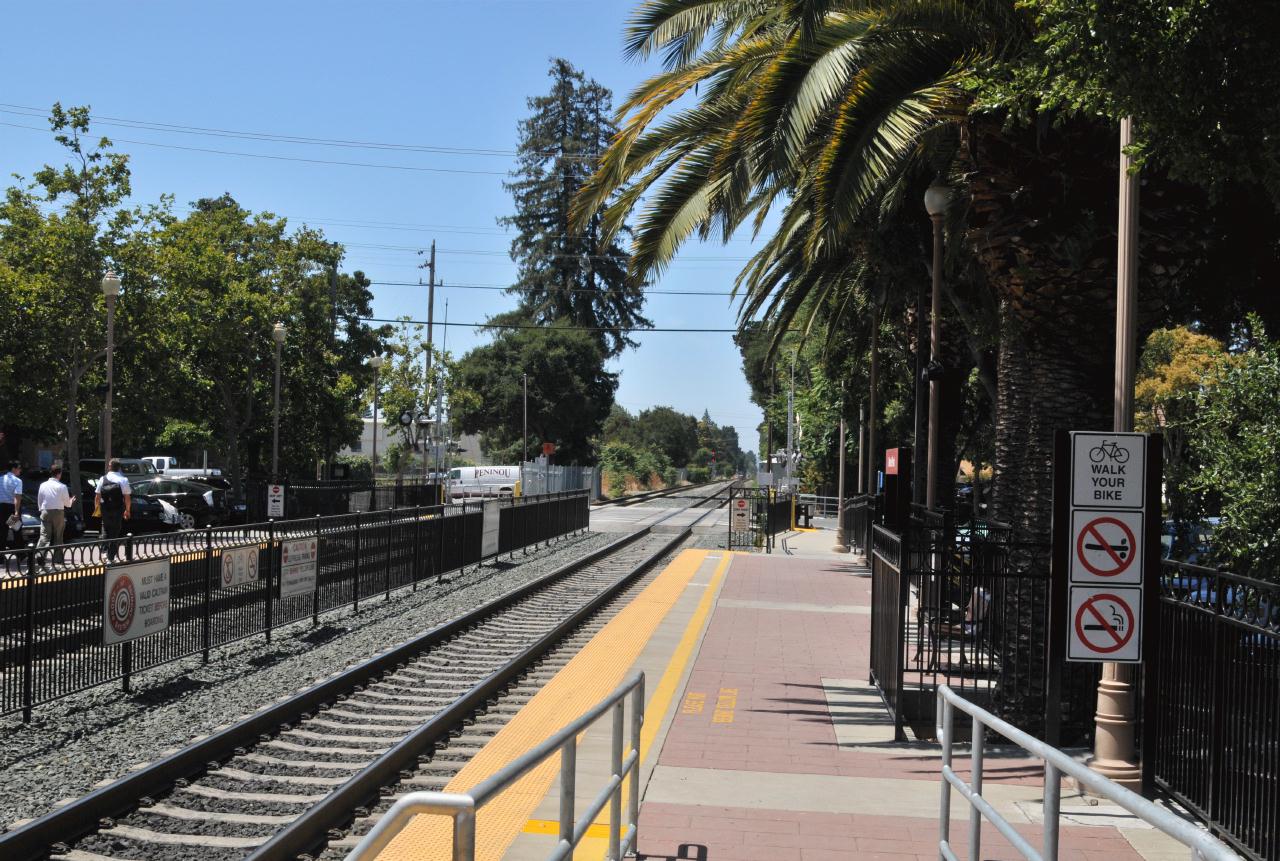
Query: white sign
275	500
298	567
1105	624
1108	469
136	601
489	535
239	565
1106	546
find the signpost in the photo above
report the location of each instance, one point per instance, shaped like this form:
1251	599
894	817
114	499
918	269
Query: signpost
1106	552
239	565
298	566
135	601
740	515
489	535
275	501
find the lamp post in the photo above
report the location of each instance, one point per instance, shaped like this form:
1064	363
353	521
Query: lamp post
110	290
376	364
841	546
936	199
277	335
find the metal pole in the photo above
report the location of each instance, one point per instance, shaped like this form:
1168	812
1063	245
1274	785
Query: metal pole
841	544
862	445
871	412
935	386
275	423
376	371
431	309
920	432
111	350
1113	750
791	412
525	438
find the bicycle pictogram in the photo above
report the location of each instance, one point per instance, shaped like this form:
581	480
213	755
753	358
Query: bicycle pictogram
1112	451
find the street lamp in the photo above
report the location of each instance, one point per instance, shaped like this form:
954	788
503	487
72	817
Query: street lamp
277	335
936	199
110	290
376	364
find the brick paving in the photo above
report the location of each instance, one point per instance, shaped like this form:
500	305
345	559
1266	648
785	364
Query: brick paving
755	705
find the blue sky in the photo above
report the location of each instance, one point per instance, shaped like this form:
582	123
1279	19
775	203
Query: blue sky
436	73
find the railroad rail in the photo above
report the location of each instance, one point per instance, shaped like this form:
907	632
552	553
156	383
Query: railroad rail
290	778
634	498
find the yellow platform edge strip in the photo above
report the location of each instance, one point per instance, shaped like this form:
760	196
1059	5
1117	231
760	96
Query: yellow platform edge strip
587	678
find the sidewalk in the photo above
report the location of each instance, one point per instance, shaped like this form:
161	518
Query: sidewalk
780	749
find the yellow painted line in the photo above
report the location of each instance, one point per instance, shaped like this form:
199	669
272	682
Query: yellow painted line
583	682
548	826
806	529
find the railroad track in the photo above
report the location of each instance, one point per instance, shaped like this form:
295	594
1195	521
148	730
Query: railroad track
293	776
633	498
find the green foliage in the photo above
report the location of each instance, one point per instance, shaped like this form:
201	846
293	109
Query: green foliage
1235	438
568	272
359	467
570	392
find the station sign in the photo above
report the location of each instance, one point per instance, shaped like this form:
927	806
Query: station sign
489	533
239	565
275	500
135	600
891	461
298	566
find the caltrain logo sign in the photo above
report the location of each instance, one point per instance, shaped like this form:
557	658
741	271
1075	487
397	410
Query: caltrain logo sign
121	604
135	601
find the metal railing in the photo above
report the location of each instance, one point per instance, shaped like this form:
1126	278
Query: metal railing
820	506
51	615
1204	847
888	611
463	807
1215	740
328	498
859	516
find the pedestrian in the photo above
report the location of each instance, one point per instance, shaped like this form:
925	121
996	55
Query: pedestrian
114	500
54	500
11	505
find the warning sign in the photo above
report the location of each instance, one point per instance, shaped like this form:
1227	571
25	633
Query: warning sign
275	500
1108	469
298	567
1106	547
239	565
136	601
489	531
740	515
1104	625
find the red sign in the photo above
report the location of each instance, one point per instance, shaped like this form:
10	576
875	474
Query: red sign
891	461
1106	547
548	448
1104	623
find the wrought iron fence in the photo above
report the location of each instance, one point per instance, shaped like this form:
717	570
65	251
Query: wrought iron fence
51	613
1216	737
888	611
859	515
327	498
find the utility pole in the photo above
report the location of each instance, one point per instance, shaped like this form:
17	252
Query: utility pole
431	309
524	439
768	427
440	391
871	417
1113	748
862	446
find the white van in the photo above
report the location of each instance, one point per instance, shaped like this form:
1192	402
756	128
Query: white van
483	481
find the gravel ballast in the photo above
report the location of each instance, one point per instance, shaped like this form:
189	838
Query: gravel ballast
98	735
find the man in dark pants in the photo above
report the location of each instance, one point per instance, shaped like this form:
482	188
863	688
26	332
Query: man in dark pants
114	500
10	500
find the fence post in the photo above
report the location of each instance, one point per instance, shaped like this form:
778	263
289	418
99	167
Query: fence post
208	595
271	567
126	649
315	596
29	640
386	563
417	546
355	569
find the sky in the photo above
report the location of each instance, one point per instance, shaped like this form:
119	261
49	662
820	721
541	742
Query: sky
440	74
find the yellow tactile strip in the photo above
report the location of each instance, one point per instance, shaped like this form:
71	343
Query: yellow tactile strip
587	678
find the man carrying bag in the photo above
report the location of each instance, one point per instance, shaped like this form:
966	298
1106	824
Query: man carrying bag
54	500
114	500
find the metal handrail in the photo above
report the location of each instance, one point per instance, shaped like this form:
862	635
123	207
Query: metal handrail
1204	846
462	807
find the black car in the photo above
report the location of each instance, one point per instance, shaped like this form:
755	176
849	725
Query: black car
237	510
146	513
197	504
31	481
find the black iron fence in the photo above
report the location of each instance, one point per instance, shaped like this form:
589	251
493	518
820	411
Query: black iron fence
327	498
51	613
859	516
967	606
1216	738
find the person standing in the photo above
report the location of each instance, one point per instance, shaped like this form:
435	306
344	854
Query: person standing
114	500
10	502
54	500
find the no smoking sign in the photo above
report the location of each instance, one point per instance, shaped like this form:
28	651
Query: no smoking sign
1104	625
1106	547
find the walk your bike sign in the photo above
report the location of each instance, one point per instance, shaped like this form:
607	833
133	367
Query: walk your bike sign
1108	470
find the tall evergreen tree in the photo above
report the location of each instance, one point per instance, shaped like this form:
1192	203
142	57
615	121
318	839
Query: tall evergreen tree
566	273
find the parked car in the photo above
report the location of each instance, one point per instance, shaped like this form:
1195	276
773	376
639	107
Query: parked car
146	514
1188	541
170	467
238	511
197	504
129	466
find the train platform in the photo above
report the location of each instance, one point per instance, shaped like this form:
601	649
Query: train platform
762	738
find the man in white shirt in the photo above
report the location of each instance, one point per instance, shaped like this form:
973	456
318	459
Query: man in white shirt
54	500
10	500
114	500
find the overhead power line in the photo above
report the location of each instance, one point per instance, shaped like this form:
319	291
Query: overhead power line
499	287
536	326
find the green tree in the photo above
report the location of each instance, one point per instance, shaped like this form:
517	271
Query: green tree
669	431
568	271
1235	441
570	392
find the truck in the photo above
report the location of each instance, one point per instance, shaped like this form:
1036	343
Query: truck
483	481
169	466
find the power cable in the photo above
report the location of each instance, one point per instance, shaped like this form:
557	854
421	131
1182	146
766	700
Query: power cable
619	329
499	287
